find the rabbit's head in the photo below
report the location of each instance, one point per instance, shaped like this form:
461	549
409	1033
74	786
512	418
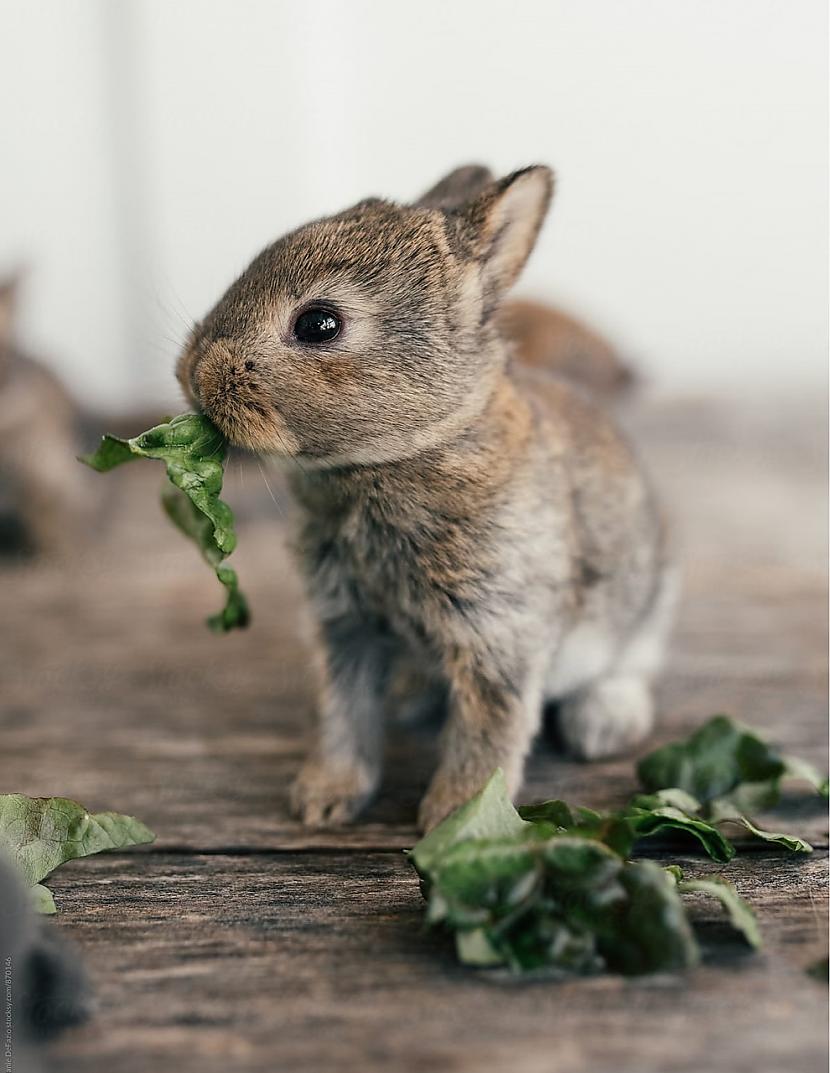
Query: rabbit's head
369	335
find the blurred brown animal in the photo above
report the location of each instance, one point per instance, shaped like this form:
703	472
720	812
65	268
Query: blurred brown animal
549	340
43	494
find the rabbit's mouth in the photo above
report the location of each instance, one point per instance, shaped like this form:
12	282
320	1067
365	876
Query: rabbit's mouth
227	388
253	426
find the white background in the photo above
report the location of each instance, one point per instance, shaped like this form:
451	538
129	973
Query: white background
151	147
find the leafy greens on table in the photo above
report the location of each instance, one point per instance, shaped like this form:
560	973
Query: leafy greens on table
549	893
549	886
724	761
724	771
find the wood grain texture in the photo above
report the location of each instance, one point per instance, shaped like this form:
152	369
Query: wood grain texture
241	941
320	962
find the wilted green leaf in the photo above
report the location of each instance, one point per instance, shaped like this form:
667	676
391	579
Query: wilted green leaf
712	762
44	832
672	812
185	514
740	914
531	895
490	814
568	903
474	948
794	768
668	813
612	829
42	900
193	451
554	812
652	934
478	880
790	842
725	812
724	759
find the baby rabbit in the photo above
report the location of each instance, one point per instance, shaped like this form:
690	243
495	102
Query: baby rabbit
500	535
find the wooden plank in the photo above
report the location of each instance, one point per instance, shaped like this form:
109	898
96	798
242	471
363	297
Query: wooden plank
204	750
114	693
304	950
320	962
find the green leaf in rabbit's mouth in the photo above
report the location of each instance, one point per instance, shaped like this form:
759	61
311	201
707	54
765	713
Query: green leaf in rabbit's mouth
193	450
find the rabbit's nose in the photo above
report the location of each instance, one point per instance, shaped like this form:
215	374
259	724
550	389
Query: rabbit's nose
216	378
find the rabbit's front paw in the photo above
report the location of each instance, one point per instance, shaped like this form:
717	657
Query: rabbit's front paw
325	794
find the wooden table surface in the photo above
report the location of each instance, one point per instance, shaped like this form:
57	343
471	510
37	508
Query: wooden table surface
242	942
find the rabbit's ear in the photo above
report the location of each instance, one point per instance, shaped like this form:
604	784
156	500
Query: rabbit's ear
505	220
457	188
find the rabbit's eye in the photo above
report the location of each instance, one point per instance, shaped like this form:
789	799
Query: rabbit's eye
317	325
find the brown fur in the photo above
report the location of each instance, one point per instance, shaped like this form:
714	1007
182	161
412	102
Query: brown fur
544	338
549	340
43	496
499	540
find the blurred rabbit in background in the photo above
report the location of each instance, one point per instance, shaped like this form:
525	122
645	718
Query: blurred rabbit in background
43	492
548	340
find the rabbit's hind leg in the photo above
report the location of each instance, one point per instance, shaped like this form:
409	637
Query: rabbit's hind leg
608	717
616	711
